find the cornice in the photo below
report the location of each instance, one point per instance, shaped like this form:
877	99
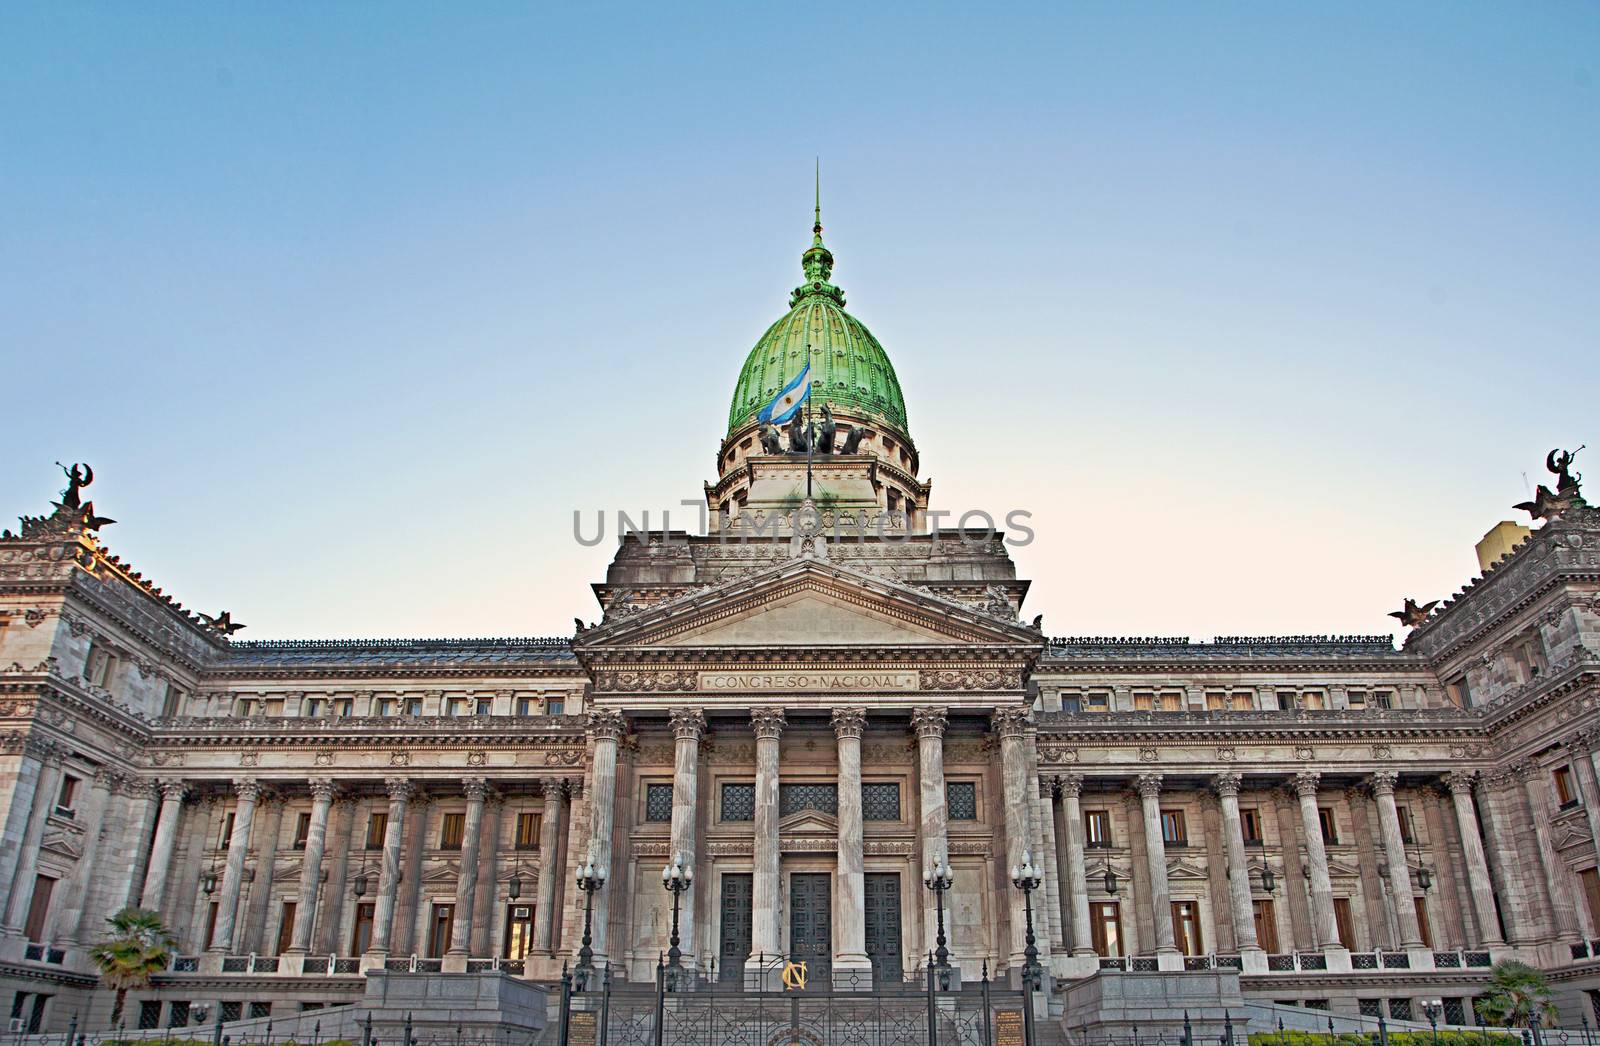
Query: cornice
373	731
1575	672
1257	726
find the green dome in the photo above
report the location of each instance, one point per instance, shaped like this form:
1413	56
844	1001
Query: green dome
848	367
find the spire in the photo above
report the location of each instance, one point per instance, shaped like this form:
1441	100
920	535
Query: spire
816	228
817	261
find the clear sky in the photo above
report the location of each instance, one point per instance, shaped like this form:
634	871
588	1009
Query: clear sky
1262	310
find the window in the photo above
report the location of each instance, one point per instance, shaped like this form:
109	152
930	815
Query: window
485	706
171	698
149	1014
1071	703
1144	701
1383	698
1408	832
1422	923
658	802
1097	829
312	707
344	707
555	706
1105	928
227	831
302	829
248	707
377	827
1266	926
39	908
361	932
881	801
211	924
1459	693
1250	826
1400	1009
385	706
1186	927
1097	702
1344	920
451	829
231	1010
793	798
1454	1012
67	799
519	931
525	706
738	802
260	1010
97	669
1566	795
1370	1007
1312	700
439	927
413	706
528	831
455	706
1330	827
961	800
285	927
1174	830
1356	699
1286	700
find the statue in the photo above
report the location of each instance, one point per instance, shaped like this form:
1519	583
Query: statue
88	520
826	432
223	623
799	438
1411	614
78	477
1559	462
852	440
770	443
1548	504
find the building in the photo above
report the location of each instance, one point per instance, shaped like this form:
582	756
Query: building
811	705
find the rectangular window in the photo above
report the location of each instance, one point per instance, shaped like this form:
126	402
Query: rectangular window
1144	701
793	798
455	706
555	707
1344	919
1250	826
1400	1009
1330	827
1356	699
312	707
1097	702
413	706
1408	832
451	829
172	701
1566	794
149	1014
1186	927
1287	700
880	801
361	932
519	931
439	927
1097	829
385	706
1071	703
738	802
227	831
658	803
1266	926
525	706
485	706
344	708
260	1010
1312	700
1174	830
302	829
1459	693
285	927
528	831
961	800
39	908
1105	928
1383	698
67	800
1243	701
377	828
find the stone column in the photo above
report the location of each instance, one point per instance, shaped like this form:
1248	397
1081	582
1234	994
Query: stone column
1323	924
485	907
341	835
155	880
1239	900
1557	876
1011	723
134	845
605	727
688	726
1504	816
244	815
544	912
934	816
851	932
259	901
765	918
44	799
1578	748
1460	785
476	789
1394	852
68	914
1155	850
305	912
27	781
1071	828
389	875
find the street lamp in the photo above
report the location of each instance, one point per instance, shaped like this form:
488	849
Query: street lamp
1026	878
590	879
1431	1008
939	880
676	878
1111	881
1269	881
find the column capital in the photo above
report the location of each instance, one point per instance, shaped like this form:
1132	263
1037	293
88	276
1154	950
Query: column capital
476	789
1148	785
1458	781
1582	741
176	791
850	722
605	724
768	723
1011	721
323	789
247	791
399	788
1382	782
688	724
1227	784
1305	783
929	721
1070	785
554	788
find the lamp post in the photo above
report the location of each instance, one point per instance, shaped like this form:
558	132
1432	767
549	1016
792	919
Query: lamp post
676	878
1026	878
1431	1008
590	879
939	880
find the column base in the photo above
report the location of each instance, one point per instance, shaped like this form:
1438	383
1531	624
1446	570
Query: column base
453	962
1169	961
1252	960
1338	958
292	964
373	960
852	972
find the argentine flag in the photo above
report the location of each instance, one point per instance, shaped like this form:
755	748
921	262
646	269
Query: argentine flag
788	401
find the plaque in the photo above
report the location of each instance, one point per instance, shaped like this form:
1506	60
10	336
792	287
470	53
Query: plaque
1007	1028
581	1028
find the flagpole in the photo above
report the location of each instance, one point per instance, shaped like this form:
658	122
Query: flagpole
811	443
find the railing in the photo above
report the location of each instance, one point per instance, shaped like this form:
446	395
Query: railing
330	965
413	964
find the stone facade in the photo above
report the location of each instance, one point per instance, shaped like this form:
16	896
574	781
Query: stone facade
1334	820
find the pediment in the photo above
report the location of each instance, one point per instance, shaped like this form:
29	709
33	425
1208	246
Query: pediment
808	603
808	822
1185	872
446	872
61	844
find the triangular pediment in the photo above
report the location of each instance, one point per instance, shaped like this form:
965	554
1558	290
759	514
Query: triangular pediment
806	822
809	603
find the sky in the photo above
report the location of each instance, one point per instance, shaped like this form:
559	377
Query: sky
1266	313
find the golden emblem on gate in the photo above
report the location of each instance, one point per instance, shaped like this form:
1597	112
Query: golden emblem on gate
794	976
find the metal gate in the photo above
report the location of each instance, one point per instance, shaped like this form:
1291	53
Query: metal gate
883	926
735	933
811	923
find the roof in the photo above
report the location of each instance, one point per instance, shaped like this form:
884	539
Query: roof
344	653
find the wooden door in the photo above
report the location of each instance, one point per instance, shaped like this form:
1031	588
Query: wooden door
285	927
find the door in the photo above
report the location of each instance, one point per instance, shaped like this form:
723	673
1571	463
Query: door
735	935
1266	926
883	926
1186	927
443	921
1425	927
285	927
361	934
519	930
1344	921
39	908
811	924
1105	928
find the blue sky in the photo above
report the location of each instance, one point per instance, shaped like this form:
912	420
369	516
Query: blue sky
1262	311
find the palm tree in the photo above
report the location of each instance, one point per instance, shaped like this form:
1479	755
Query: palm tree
1517	993
139	947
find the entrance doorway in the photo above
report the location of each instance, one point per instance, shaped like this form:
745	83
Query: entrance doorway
734	948
811	924
883	927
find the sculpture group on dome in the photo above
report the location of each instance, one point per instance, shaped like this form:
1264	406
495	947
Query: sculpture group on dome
1548	504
